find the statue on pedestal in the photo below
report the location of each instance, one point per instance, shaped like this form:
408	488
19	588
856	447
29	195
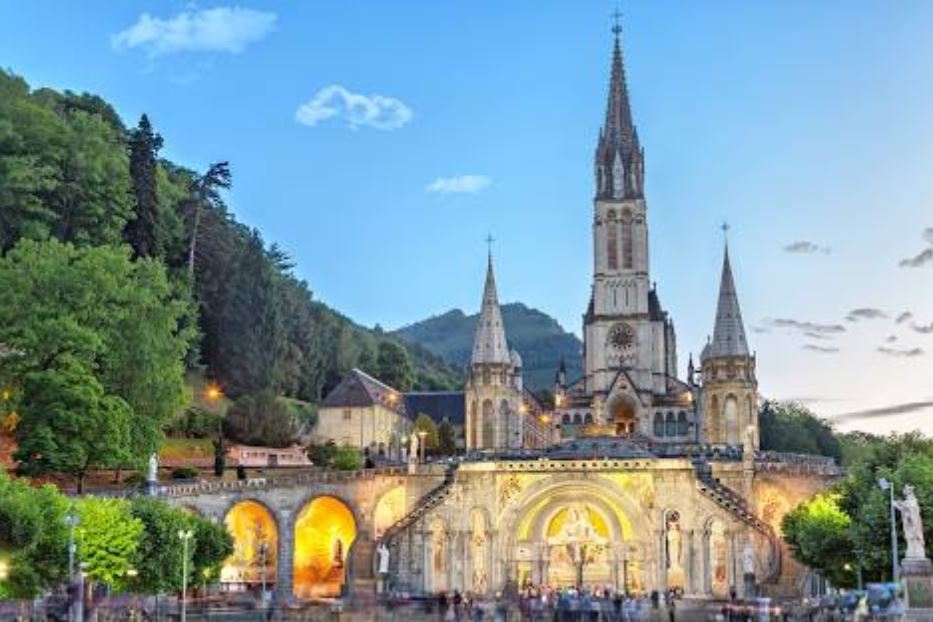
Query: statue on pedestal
153	474
912	522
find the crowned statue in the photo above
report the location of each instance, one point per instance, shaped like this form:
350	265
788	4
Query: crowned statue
912	522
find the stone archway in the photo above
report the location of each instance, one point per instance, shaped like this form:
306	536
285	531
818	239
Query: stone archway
622	414
255	535
325	530
563	530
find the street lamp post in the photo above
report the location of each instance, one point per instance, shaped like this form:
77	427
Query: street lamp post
71	519
895	571
263	551
421	436
184	535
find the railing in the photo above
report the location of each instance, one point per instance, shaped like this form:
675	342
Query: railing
785	461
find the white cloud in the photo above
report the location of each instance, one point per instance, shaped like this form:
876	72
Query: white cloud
221	29
335	101
806	247
461	184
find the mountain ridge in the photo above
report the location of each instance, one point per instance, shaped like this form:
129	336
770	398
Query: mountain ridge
539	339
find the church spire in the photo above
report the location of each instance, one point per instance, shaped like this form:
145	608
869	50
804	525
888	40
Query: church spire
729	331
489	343
619	170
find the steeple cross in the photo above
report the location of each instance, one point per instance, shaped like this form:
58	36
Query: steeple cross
616	22
489	241
725	231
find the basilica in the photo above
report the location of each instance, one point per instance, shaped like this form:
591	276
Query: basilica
633	480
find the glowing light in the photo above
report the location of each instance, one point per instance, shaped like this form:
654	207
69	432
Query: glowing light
251	525
4	570
324	532
213	392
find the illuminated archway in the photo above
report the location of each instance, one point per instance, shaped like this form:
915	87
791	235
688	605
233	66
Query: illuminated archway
324	532
255	546
389	510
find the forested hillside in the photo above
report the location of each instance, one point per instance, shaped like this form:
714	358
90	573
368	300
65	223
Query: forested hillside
538	338
86	198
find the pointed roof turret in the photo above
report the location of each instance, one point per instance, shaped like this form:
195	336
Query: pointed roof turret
729	331
489	343
618	138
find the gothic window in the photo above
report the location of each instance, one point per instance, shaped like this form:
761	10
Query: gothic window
588	418
612	252
486	377
682	424
658	424
628	253
505	420
474	425
731	417
576	419
565	418
671	425
618	178
489	425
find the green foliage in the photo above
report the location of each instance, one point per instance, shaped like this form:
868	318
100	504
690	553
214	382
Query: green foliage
32	532
446	439
347	459
322	455
538	338
818	535
791	427
107	539
101	368
901	459
260	419
394	367
184	472
195	422
424	423
143	231
160	553
63	168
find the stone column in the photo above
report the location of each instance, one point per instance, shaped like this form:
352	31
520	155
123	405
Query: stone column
660	537
689	557
705	567
284	560
451	543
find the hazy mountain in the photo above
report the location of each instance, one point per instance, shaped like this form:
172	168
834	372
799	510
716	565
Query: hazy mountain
538	338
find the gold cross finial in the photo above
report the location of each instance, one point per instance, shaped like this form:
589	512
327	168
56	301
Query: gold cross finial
616	22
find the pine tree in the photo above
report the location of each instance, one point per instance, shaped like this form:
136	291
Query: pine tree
143	231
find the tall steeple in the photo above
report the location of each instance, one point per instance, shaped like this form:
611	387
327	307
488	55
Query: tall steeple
619	157
489	344
729	331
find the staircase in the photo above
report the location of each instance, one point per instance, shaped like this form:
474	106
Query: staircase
423	506
737	506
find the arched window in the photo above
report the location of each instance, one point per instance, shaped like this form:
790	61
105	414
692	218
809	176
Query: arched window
731	419
658	424
489	425
628	252
682	423
612	242
566	418
474	426
507	430
577	419
671	427
588	418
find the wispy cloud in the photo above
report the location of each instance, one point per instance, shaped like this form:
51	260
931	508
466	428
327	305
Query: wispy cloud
905	408
805	247
357	110
890	339
902	353
925	256
821	336
923	329
807	326
760	330
460	184
903	317
822	349
865	313
221	29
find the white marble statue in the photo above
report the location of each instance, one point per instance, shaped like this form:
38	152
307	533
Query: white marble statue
913	523
153	475
382	555
748	559
413	448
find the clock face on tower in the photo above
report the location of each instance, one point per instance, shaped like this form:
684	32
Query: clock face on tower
622	336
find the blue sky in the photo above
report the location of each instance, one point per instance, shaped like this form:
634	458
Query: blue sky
795	121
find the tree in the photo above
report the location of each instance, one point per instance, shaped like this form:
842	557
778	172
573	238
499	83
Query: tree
791	427
142	232
446	438
205	192
260	419
348	459
424	423
107	539
33	533
158	557
818	535
212	545
99	367
393	366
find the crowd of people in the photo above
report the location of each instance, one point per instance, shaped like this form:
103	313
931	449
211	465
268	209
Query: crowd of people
543	603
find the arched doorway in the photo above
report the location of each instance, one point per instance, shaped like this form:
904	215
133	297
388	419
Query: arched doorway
622	412
324	534
255	547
